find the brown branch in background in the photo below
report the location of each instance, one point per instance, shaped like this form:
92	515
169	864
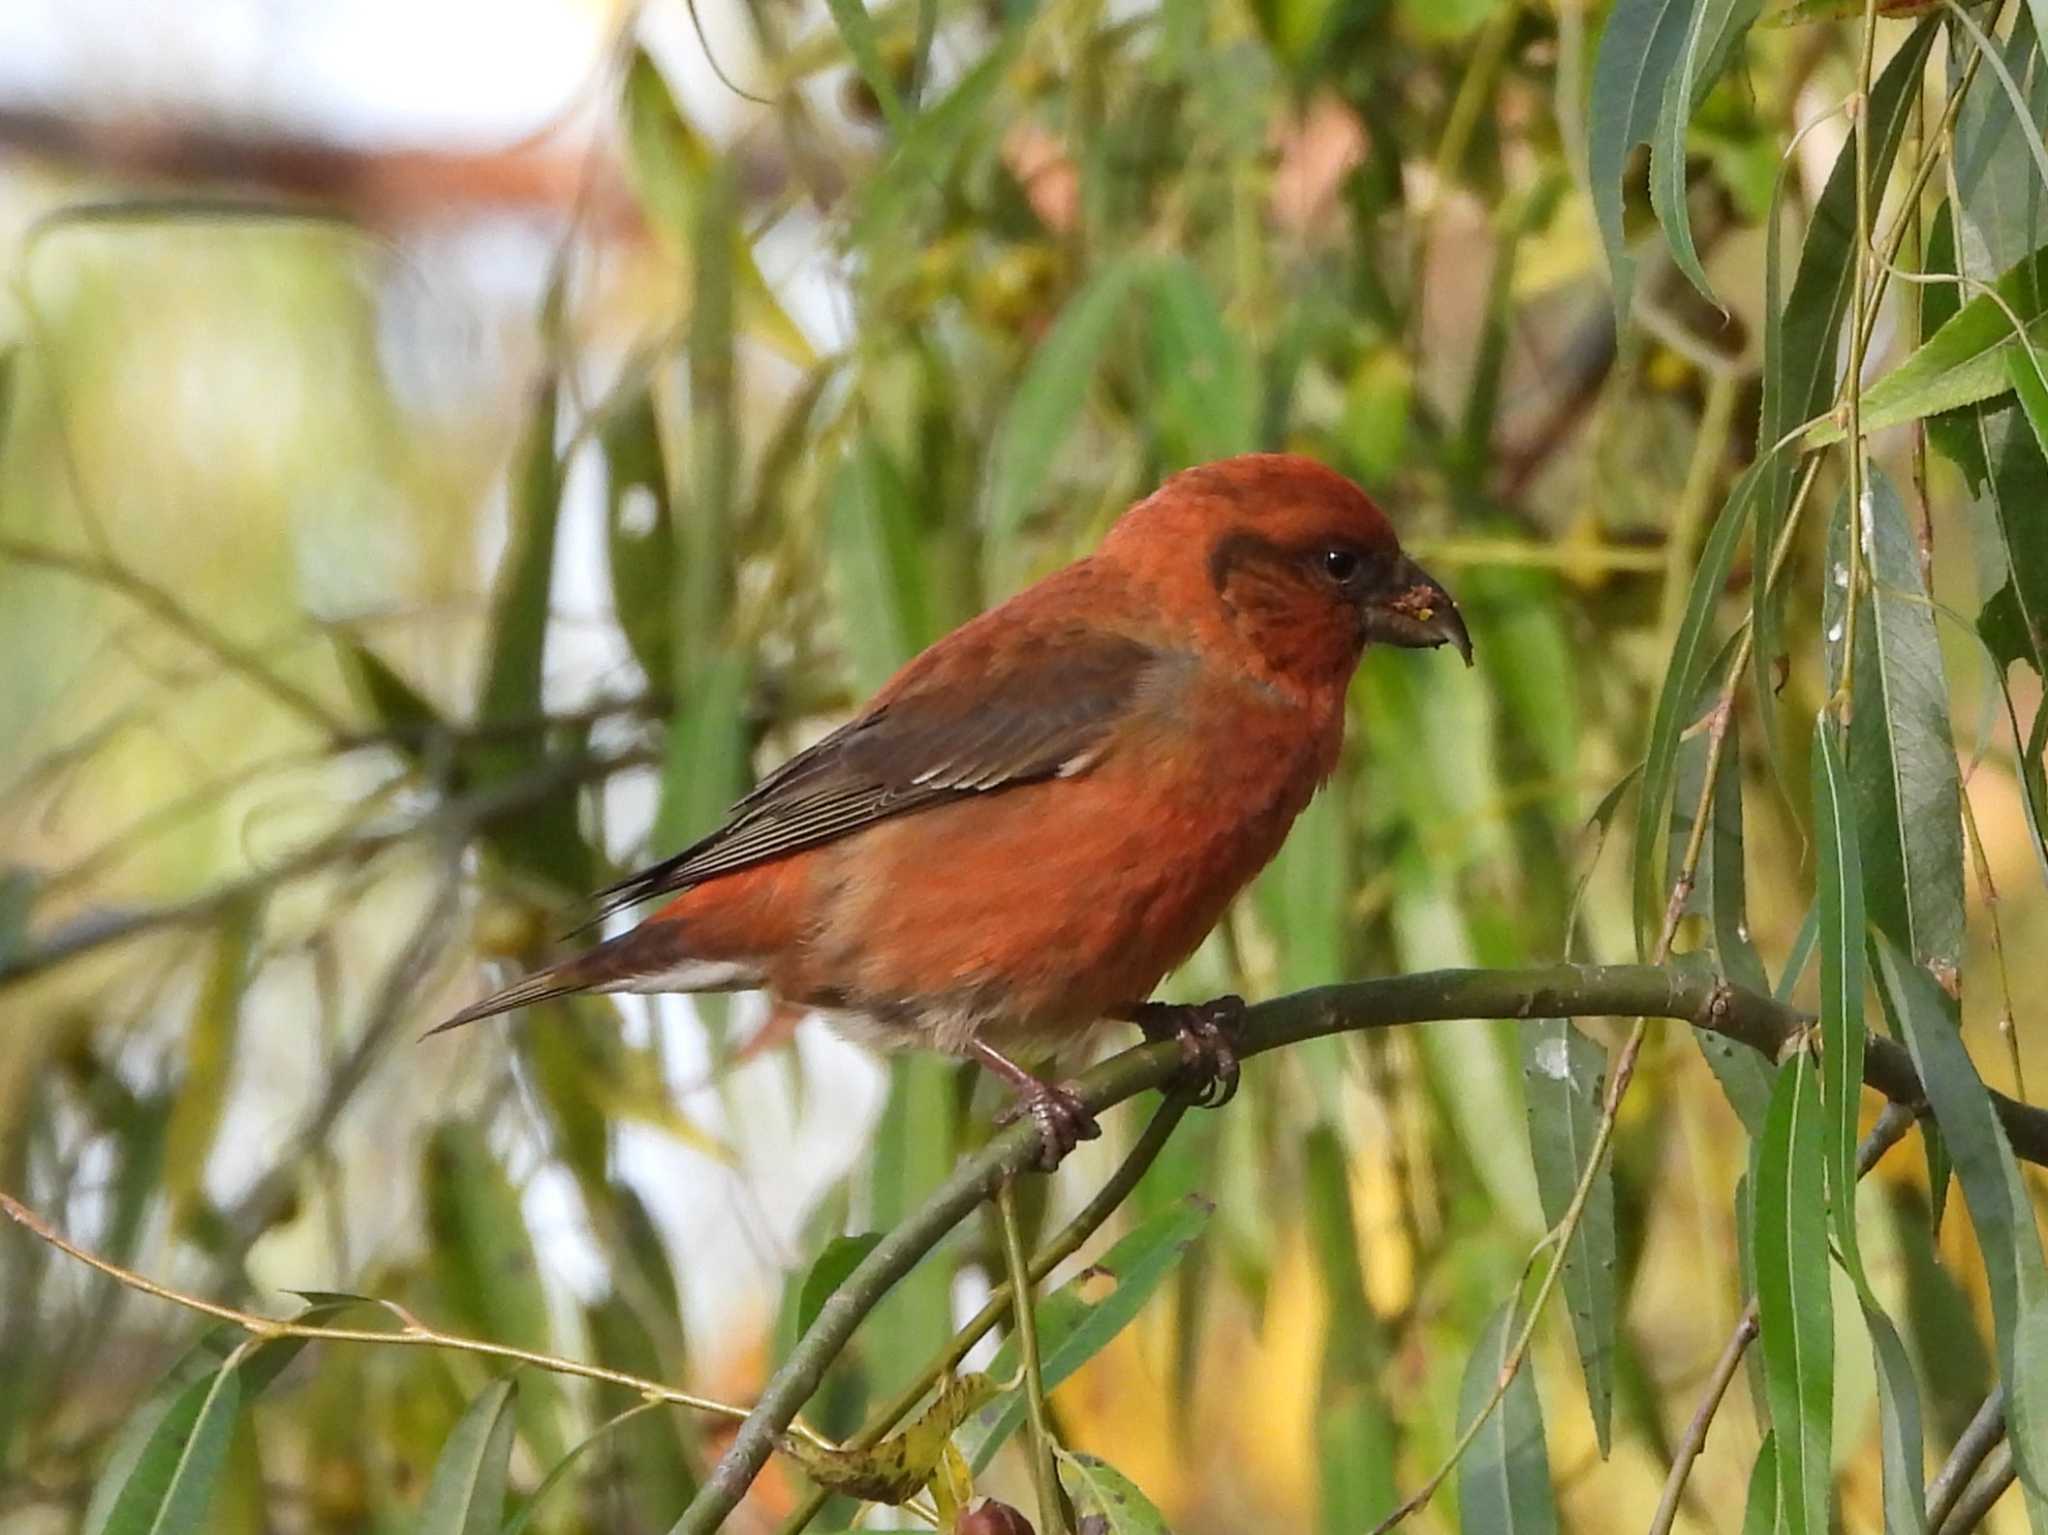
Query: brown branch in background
1976	1505
1983	1435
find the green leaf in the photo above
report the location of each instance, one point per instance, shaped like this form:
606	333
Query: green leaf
1205	388
1684	677
1720	896
1803	336
858	28
1504	1479
1639	49
878	564
1712	34
912	1151
1898	1410
209	1061
1354	1426
1840	898
485	1266
1962	363
517	1524
924	154
1794	1307
1045	406
170	1485
1101	1492
1073	1327
466	1494
2000	1209
1761	1511
395	704
842	1255
640	536
1562	1075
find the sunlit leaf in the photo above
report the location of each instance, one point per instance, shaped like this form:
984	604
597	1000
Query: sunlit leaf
1794	1306
466	1494
1562	1075
1504	1479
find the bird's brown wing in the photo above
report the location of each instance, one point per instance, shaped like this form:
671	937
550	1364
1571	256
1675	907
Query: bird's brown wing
965	718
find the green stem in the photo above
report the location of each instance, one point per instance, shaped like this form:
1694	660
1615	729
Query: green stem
1051	1514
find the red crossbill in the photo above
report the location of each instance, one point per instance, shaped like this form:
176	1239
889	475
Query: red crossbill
1045	812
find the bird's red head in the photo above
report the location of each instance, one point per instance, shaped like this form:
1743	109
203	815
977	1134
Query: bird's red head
1288	557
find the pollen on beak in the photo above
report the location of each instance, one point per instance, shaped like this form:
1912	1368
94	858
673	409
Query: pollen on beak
1418	614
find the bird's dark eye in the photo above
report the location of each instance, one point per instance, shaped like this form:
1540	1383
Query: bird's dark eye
1341	565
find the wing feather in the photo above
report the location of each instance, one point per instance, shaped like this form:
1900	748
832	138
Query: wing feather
1040	712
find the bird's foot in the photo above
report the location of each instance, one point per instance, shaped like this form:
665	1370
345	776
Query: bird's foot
1203	1030
1063	1121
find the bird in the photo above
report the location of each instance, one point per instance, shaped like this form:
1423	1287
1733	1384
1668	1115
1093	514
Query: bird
1044	813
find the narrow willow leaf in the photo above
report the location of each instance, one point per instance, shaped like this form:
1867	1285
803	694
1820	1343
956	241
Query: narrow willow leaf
395	704
1076	1322
1803	337
209	1061
171	1483
1108	1502
1504	1479
1712	35
1997	178
1761	1514
2024	524
1639	48
912	1150
640	536
878	563
1562	1075
923	154
1045	406
1720	896
519	1521
858	28
466	1493
1684	677
1794	1307
842	1255
1840	898
2000	1209
1205	387
1963	362
1354	1425
485	1266
668	162
1898	1412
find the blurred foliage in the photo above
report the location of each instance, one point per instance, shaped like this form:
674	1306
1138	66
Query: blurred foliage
351	652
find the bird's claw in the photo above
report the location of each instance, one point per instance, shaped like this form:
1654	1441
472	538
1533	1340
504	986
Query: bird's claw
1203	1031
1063	1121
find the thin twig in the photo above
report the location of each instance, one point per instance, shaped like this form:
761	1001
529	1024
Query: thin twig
411	1331
1983	1435
1051	1515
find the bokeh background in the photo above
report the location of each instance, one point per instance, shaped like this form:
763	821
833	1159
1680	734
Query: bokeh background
447	449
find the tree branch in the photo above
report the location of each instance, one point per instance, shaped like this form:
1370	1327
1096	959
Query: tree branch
1684	993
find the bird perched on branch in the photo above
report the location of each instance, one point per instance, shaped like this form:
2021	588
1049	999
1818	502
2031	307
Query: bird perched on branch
1040	816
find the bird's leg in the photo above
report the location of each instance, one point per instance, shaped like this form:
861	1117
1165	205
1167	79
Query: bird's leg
1203	1030
1063	1120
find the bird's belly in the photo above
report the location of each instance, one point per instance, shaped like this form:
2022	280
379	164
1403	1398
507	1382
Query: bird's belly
1033	913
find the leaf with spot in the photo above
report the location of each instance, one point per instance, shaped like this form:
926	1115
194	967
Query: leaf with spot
1713	33
1639	49
1795	1310
1108	1502
1504	1479
1562	1076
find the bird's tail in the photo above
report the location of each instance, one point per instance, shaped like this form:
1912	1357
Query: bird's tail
647	959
